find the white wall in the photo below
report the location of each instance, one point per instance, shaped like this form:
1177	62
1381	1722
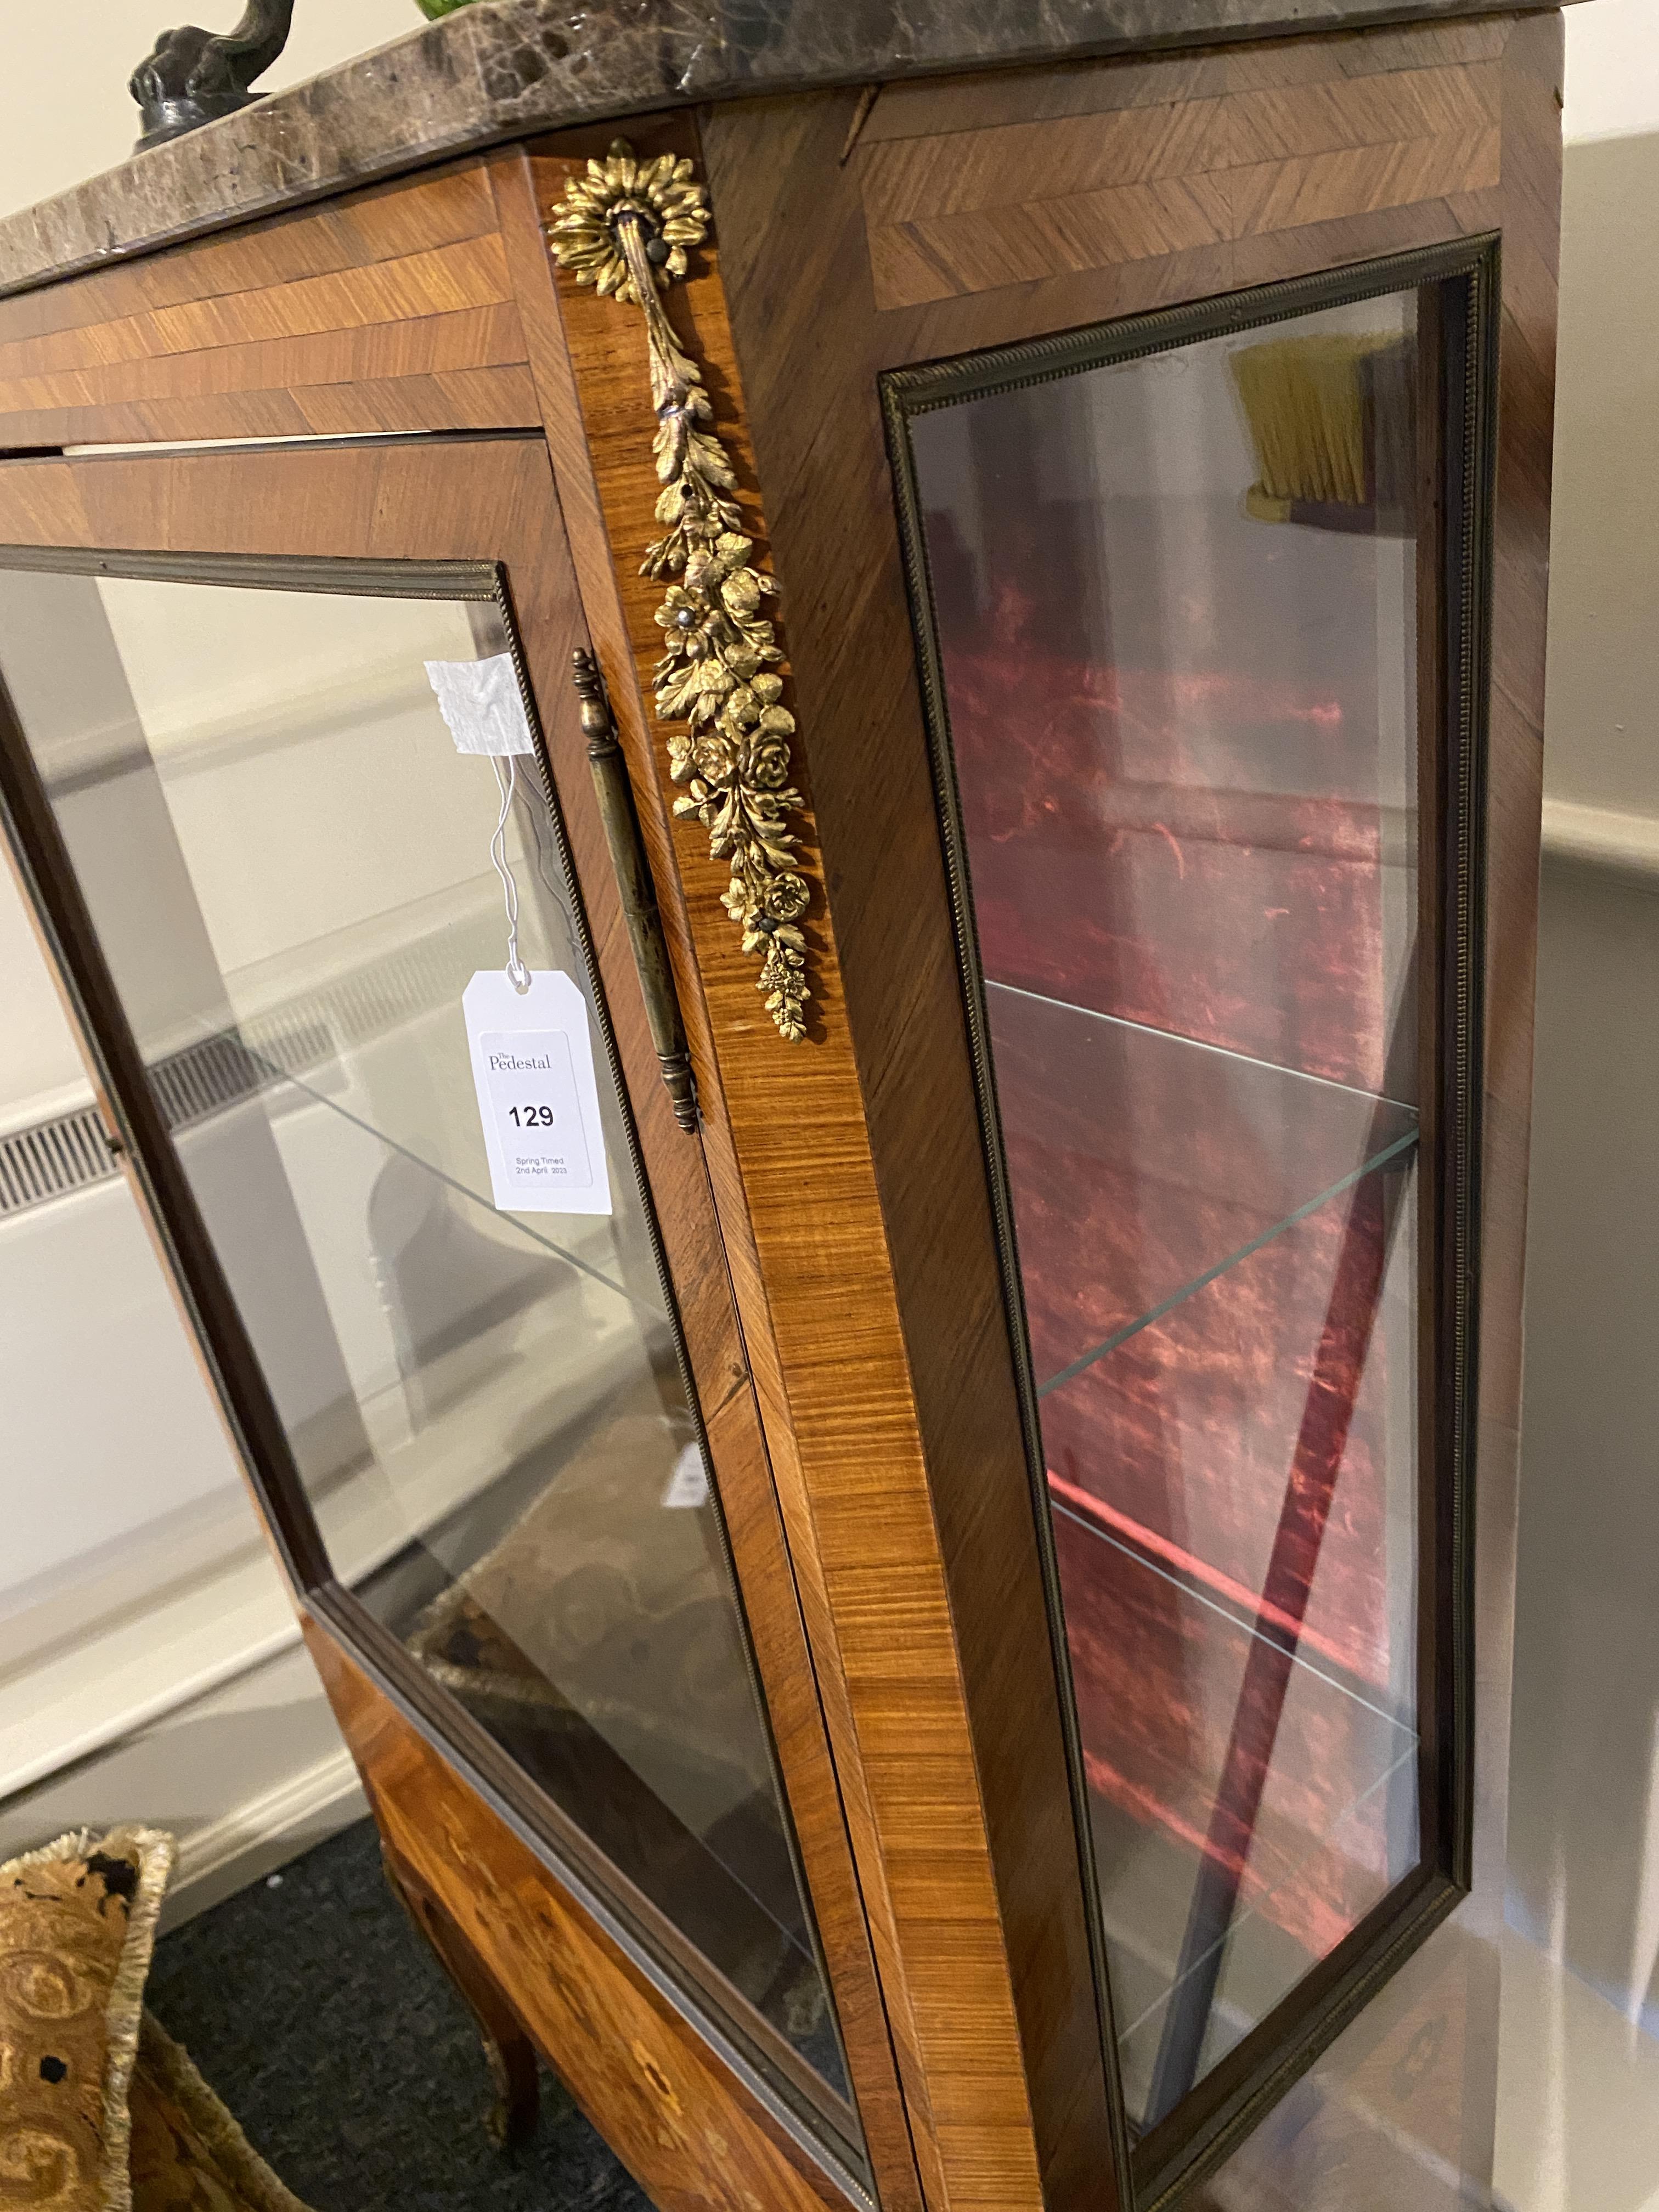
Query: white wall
68	113
1613	70
1579	2055
181	1696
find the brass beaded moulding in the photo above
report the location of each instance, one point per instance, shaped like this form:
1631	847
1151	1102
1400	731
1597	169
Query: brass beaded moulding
625	227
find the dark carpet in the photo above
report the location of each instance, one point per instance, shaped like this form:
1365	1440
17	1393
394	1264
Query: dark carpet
320	2017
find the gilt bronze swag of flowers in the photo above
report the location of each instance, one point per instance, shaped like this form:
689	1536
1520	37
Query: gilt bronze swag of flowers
624	227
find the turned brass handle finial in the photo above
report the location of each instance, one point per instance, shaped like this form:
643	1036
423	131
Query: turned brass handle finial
625	227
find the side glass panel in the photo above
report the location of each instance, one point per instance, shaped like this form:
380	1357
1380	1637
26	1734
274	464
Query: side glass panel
288	865
1169	599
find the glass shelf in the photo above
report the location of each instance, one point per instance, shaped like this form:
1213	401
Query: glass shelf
361	1020
1186	1217
1147	1164
1205	1240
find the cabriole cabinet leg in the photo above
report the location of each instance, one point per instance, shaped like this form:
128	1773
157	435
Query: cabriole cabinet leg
508	2052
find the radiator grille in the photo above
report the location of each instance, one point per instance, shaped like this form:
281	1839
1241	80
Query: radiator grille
53	1157
190	1084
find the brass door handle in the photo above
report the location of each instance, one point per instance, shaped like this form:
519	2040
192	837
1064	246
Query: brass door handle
639	896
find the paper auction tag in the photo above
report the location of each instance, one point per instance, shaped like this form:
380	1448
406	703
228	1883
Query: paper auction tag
533	1065
482	704
688	1485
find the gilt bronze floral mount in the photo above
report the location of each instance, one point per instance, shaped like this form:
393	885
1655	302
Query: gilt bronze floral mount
625	227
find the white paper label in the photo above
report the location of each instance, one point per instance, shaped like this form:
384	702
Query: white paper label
688	1485
532	1064
482	704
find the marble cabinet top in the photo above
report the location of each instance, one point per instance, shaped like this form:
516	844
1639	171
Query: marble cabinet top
506	68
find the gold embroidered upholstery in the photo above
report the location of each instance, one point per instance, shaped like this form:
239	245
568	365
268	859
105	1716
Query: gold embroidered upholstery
77	1924
100	2111
188	2154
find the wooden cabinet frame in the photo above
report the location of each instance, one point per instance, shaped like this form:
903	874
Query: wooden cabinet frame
832	1236
1455	288
802	192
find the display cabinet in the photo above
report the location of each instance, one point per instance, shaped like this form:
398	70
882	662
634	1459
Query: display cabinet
796	852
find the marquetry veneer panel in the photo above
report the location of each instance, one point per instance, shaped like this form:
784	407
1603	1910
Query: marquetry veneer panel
685	2124
389	311
1218	159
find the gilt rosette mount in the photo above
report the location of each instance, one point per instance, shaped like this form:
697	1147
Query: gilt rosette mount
625	227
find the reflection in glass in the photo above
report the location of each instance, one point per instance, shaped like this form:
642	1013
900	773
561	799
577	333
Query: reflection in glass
287	861
1175	601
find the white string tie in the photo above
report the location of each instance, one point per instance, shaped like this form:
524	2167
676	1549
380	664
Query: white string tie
517	974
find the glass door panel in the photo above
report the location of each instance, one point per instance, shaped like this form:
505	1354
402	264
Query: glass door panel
1168	591
288	865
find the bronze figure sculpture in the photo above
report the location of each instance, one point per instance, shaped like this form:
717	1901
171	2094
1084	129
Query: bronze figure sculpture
194	77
